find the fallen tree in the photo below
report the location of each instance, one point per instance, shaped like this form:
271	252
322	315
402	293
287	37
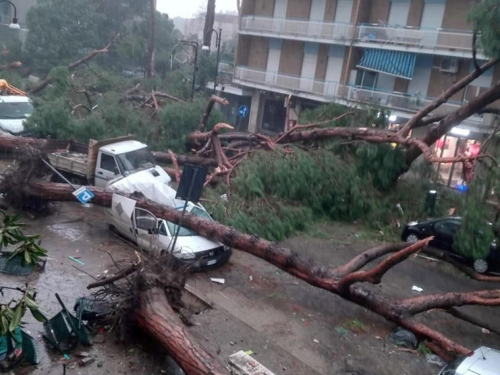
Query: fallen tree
347	281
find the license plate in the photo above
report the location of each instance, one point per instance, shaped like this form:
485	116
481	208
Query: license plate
211	262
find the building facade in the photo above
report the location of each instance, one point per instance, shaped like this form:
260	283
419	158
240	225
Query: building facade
22	6
399	54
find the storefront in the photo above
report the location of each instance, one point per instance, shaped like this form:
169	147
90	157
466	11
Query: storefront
458	142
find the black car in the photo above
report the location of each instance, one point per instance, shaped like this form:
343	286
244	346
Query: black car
444	230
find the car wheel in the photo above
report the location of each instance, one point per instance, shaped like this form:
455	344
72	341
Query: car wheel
412	238
480	266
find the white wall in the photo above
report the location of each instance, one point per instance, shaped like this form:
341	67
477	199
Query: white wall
343	11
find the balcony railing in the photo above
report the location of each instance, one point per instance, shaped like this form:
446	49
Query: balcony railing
436	40
315	87
341	32
431	39
400	101
332	90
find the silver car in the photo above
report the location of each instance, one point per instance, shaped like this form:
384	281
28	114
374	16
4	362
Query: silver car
484	361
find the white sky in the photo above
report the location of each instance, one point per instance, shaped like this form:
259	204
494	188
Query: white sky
188	8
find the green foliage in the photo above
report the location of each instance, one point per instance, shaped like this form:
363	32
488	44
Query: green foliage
11	234
475	235
486	17
10	317
274	195
177	120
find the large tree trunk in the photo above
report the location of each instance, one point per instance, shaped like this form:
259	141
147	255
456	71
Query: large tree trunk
151	48
158	319
336	280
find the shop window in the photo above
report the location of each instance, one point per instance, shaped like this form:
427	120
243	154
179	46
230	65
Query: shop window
273	118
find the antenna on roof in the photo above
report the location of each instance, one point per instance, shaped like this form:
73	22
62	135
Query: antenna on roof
481	350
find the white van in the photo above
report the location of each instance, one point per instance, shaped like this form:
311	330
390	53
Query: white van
155	234
14	110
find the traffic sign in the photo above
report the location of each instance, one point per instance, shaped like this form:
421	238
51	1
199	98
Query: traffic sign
83	195
243	111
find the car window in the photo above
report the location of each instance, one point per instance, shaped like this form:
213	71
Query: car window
447	227
108	162
144	220
162	229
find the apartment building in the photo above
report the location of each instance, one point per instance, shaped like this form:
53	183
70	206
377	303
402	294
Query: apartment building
398	54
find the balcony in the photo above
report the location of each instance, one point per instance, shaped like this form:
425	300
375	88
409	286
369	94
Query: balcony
434	41
315	31
311	88
403	102
332	91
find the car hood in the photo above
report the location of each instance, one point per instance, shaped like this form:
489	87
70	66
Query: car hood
13	126
195	244
484	361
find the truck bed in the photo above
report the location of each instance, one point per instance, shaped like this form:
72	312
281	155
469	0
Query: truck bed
70	161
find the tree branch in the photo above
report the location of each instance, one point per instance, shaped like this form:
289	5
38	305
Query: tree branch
73	65
444	97
176	166
374	275
210	105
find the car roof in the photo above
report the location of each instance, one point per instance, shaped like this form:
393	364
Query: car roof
14	99
484	361
123	147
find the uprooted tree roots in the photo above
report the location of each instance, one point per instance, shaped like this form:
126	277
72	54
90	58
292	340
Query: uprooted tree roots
147	294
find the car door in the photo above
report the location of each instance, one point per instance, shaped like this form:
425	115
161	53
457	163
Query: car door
121	215
444	231
144	222
106	169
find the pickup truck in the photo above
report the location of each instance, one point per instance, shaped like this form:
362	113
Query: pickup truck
101	161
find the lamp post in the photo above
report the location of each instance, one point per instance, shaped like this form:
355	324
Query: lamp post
195	68
217	44
14	24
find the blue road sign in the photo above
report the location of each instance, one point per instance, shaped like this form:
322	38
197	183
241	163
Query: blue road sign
83	194
243	111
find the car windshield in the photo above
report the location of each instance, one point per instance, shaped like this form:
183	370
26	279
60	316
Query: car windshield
138	159
184	232
14	111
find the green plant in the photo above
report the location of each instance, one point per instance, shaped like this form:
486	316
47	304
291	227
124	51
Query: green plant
11	234
10	317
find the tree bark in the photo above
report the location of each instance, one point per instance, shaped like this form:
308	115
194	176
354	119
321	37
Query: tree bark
399	311
209	23
158	319
165	157
151	48
210	105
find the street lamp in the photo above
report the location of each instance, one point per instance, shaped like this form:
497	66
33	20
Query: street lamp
14	24
195	68
217	44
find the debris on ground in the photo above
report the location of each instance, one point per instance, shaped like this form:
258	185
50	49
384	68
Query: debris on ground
417	289
435	360
341	331
86	361
217	280
402	337
244	364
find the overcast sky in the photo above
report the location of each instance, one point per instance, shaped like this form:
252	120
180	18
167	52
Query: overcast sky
187	8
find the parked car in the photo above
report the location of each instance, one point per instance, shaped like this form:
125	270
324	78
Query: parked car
444	230
156	234
484	361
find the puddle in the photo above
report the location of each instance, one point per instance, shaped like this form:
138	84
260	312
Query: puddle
66	231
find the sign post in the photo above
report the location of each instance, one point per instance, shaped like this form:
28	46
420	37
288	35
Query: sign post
83	194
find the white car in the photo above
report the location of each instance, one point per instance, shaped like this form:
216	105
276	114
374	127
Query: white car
156	234
484	361
14	110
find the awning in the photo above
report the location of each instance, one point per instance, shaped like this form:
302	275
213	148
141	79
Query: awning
396	63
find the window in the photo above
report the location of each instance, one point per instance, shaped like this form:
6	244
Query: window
184	232
108	163
137	159
163	229
367	79
145	220
11	111
447	227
